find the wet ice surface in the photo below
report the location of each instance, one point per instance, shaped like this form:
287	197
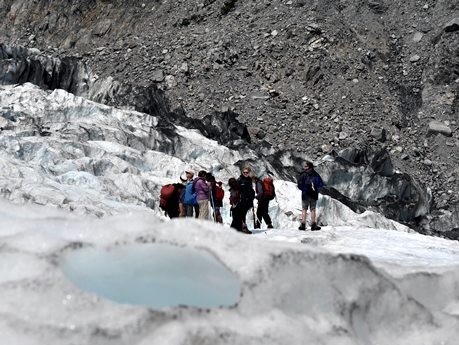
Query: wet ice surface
153	275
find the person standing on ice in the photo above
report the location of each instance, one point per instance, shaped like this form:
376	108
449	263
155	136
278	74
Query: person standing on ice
202	194
309	183
246	193
263	200
189	202
237	211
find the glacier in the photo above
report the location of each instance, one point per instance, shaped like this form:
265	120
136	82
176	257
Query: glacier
77	175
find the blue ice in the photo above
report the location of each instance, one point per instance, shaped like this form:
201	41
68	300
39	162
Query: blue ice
153	275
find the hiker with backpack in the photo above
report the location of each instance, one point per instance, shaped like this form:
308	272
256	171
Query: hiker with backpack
201	186
188	201
169	198
309	183
247	194
237	211
265	192
216	198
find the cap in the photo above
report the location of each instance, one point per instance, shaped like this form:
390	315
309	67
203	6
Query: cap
182	179
189	171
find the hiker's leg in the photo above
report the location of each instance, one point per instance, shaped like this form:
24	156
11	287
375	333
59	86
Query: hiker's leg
237	218
243	211
203	209
218	216
313	216
260	211
313	211
188	210
264	212
303	216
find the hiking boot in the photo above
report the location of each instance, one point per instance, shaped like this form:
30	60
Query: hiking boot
302	226
245	230
257	225
315	227
270	226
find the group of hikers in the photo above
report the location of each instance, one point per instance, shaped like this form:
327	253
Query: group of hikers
202	197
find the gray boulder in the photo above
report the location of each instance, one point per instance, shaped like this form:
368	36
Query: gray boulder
439	127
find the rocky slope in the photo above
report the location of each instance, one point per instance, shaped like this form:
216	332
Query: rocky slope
307	76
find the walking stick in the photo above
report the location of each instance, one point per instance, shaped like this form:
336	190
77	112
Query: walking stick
258	219
212	204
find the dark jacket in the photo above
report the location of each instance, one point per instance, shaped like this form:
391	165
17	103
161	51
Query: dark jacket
246	192
172	205
309	182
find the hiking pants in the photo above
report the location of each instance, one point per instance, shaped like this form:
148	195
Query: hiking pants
237	213
188	209
203	209
262	211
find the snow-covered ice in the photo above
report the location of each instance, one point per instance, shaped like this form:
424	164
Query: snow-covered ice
90	184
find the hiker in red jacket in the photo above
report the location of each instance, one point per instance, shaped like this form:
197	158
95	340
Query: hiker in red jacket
216	197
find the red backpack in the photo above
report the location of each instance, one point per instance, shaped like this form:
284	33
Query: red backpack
237	197
219	192
166	193
268	188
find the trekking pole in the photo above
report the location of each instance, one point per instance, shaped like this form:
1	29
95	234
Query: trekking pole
259	220
212	202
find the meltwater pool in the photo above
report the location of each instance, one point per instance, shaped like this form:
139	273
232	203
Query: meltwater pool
153	275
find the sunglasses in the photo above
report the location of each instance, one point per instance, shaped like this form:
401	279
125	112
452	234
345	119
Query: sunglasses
245	172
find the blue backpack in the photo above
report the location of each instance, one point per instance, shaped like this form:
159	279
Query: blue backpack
190	194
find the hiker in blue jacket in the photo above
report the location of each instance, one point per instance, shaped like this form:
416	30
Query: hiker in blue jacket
188	202
309	183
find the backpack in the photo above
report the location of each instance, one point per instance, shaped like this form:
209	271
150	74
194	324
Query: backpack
167	191
268	188
232	202
219	192
307	184
311	184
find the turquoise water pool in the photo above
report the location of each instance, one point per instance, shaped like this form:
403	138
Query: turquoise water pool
153	275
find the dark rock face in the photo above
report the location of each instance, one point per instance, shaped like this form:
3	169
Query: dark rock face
311	78
366	178
19	65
